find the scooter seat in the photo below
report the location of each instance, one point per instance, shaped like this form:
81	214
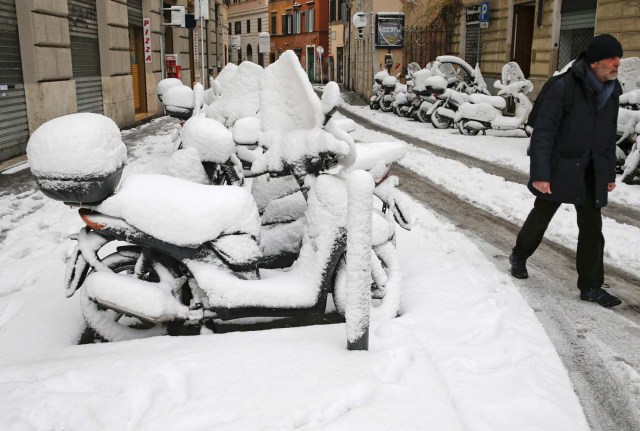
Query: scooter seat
181	212
495	101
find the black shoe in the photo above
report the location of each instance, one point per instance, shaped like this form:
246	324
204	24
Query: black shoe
518	266
599	295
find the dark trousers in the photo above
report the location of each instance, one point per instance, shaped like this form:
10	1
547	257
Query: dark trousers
589	256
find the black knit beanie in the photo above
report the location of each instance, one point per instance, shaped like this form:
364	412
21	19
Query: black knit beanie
601	47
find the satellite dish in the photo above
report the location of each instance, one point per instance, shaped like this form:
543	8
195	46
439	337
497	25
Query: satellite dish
359	20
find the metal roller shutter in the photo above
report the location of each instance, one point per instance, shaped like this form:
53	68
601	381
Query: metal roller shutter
14	128
85	55
134	9
576	30
473	44
576	20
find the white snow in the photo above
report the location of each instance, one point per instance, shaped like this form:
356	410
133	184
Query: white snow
179	96
209	137
466	353
288	101
82	144
164	84
246	131
182	212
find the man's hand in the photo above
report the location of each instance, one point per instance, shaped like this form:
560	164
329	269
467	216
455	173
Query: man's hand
611	186
545	186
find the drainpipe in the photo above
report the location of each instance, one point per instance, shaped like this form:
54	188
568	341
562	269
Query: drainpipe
540	13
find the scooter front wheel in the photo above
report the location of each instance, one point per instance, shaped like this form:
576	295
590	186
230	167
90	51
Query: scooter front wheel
467	131
440	121
386	106
422	115
110	325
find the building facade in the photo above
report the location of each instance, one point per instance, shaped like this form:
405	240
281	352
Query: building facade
542	36
101	56
248	19
301	26
366	54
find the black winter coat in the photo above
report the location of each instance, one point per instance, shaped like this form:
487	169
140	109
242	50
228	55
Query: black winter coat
562	142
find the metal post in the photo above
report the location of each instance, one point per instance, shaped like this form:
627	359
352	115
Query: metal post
320	56
163	73
373	50
202	54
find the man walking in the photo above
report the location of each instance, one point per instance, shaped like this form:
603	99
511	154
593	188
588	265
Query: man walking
573	155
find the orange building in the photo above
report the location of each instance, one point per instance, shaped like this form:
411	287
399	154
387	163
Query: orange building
301	26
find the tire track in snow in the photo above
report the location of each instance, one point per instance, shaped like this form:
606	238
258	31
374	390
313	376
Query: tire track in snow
615	211
590	340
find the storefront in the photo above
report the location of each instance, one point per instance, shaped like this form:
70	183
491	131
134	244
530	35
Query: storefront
85	55
14	128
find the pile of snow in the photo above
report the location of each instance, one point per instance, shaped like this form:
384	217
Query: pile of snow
287	99
246	131
240	96
182	212
179	98
213	141
82	144
165	84
186	164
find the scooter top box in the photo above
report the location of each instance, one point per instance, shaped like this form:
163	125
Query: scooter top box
78	190
77	158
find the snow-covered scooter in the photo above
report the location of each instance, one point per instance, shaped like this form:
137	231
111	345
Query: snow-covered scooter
483	112
193	253
378	89
444	115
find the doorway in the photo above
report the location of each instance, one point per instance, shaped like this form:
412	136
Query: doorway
136	56
522	36
311	63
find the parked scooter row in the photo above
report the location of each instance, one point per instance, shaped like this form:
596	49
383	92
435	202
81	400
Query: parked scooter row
628	153
196	253
448	93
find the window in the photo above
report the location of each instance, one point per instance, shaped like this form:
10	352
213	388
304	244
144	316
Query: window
297	22
332	10
285	28
248	26
342	11
309	21
259	25
237	27
274	23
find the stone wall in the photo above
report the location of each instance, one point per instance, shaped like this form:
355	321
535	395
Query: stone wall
45	48
621	18
113	37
